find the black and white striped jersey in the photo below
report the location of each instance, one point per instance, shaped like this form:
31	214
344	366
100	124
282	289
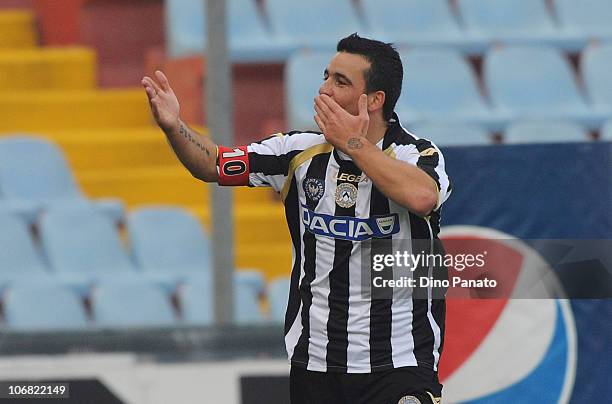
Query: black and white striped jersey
334	211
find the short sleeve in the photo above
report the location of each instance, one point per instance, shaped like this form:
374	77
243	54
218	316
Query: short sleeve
425	155
269	161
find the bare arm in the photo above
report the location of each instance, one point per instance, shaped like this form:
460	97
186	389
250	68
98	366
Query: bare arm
196	152
407	185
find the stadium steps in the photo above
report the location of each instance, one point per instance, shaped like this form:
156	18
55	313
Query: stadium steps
256	224
157	184
17	29
111	144
261	237
273	259
49	110
114	148
70	68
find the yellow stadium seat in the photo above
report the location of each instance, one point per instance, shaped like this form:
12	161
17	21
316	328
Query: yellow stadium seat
17	29
71	68
47	110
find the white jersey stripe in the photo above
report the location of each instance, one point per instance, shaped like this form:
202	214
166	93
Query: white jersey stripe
358	351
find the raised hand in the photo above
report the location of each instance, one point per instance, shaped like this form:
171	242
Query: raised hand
342	129
162	100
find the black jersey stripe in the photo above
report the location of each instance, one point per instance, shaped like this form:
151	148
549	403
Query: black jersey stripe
381	316
339	282
421	329
382	298
271	164
292	214
316	169
428	164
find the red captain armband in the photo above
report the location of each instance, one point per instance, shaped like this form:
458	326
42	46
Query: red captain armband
233	165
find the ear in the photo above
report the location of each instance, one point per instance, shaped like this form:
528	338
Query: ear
376	101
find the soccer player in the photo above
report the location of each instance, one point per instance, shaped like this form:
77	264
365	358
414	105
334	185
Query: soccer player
362	181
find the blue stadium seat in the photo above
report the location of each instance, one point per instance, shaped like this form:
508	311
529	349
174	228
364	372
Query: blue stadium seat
34	175
83	247
278	295
197	301
19	258
317	24
585	19
412	22
596	61
520	22
536	83
453	134
198	306
606	131
168	241
42	306
439	86
246	302
303	77
131	304
249	38
254	278
545	132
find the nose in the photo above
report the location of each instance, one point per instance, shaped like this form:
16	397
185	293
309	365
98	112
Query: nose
325	88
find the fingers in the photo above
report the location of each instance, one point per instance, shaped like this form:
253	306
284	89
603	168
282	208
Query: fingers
325	110
148	82
363	106
330	103
150	93
163	80
320	111
320	123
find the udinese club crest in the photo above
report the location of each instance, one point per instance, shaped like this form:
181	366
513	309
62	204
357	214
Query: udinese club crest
346	195
314	188
409	400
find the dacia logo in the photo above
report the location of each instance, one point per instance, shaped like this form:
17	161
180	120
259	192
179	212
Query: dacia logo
350	228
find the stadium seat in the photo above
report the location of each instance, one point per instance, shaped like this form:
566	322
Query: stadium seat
439	86
83	247
197	301
595	63
520	22
536	83
412	22
303	77
34	176
545	132
585	19
42	306
249	39
198	304
254	278
606	131
316	24
131	304
452	135
278	295
19	258
168	241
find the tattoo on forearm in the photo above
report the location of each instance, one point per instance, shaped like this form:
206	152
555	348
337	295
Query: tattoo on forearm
187	135
355	143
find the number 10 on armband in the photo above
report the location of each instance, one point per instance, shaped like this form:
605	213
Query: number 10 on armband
233	165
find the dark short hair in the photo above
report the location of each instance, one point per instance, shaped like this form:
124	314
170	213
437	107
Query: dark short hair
385	72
